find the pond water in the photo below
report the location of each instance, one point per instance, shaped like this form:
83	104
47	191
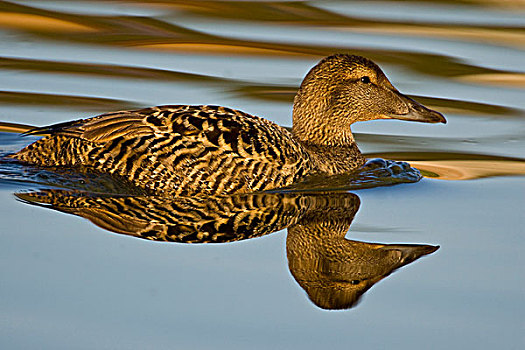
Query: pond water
69	282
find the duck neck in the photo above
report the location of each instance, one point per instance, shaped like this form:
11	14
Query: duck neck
334	159
330	144
315	120
329	134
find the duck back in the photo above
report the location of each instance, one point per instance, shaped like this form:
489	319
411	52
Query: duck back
177	150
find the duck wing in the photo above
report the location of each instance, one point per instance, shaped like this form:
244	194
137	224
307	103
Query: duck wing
126	124
177	149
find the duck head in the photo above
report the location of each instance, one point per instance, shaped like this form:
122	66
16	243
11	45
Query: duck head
344	89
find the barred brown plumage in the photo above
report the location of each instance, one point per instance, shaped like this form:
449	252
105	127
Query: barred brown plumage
186	150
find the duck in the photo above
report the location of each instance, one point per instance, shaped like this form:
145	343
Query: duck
191	150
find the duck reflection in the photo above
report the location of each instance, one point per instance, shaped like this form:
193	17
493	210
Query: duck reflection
333	270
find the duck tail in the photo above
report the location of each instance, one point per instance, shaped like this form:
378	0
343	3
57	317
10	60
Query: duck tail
53	129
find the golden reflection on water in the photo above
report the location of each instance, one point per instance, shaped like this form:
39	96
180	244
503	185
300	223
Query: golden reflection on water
469	169
333	270
229	49
164	34
501	79
512	37
61	101
30	22
14	127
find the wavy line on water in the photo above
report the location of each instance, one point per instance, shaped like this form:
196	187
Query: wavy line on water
154	33
305	14
32	22
105	70
15	127
24	98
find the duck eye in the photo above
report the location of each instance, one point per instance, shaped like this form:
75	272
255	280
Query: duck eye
354	282
365	80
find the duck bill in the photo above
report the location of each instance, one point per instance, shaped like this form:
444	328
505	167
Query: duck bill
418	113
411	252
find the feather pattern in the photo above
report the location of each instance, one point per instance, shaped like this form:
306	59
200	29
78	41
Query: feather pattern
174	149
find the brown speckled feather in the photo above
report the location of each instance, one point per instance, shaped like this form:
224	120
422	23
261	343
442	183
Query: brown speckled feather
177	149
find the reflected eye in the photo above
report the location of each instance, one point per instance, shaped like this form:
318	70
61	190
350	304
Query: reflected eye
365	80
354	282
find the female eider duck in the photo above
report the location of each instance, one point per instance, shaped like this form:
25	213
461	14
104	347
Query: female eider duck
186	150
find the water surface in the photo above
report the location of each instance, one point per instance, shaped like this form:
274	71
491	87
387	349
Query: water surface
69	281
